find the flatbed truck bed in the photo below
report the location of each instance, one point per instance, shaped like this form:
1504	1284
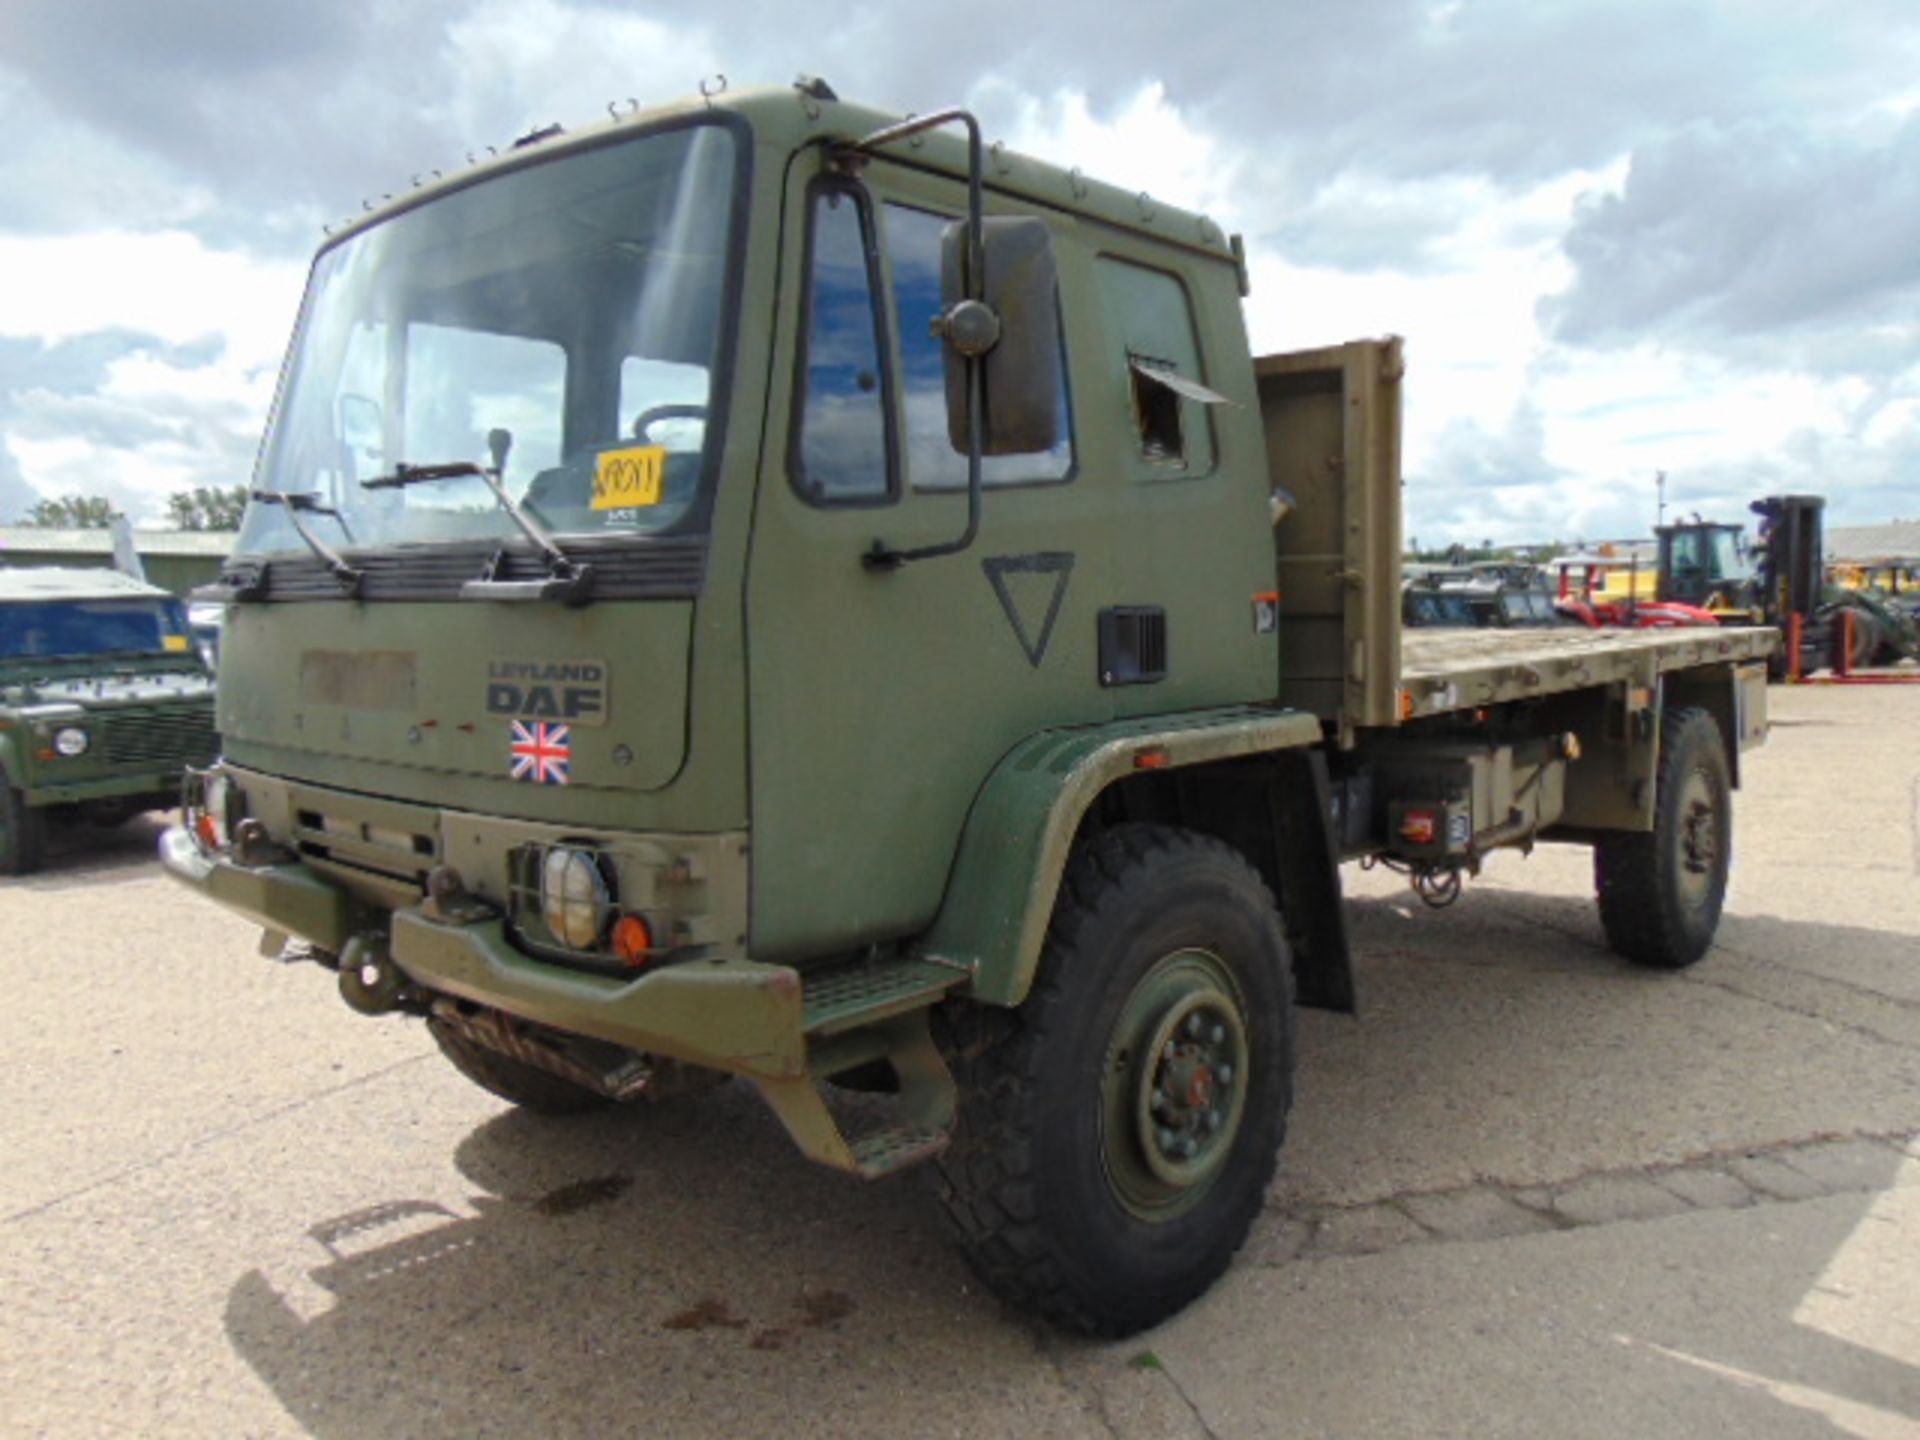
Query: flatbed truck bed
1450	670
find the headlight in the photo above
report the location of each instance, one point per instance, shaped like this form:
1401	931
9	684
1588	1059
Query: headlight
70	741
573	897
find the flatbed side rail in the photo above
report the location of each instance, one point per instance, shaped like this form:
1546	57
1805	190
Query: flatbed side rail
1452	670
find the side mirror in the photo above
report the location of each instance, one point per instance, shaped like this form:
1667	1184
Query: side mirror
1021	369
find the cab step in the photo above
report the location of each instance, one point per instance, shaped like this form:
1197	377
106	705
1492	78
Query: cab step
881	1152
864	993
857	1016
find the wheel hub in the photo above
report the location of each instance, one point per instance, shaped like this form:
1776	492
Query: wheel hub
1699	849
1176	1084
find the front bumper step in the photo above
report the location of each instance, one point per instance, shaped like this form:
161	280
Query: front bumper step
856	1014
849	997
787	1031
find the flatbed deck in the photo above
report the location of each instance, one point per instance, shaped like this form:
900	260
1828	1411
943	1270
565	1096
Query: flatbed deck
1448	670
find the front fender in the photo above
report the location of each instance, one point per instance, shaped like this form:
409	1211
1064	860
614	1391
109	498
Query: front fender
11	765
1022	824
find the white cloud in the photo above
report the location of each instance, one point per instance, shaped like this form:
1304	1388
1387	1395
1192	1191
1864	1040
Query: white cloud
1147	144
169	413
528	63
1455	171
168	284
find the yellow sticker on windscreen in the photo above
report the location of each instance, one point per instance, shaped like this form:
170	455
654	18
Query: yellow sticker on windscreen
174	642
630	477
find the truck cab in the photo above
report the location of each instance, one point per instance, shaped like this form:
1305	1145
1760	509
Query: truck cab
696	348
1707	564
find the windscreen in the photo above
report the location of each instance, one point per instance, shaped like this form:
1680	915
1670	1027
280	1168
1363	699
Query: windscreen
564	317
77	629
1712	553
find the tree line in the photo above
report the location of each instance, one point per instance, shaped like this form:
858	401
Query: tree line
205	507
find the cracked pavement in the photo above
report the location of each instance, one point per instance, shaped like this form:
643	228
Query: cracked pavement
1530	1191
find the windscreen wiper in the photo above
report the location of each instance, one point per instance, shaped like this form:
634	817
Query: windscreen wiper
566	579
295	503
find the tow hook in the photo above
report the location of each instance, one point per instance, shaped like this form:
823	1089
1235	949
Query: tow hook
369	980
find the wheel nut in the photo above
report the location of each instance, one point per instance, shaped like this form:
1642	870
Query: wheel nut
1168	1140
1194	1026
1223	1073
1159	1100
1219	1034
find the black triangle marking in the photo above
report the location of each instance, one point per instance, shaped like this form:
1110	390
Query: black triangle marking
1057	563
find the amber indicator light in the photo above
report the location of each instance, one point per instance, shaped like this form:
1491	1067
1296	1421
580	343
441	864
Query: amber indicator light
632	939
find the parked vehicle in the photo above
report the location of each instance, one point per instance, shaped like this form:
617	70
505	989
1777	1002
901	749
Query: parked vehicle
861	650
104	701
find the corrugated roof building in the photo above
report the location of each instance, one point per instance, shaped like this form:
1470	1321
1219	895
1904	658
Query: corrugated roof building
175	560
1896	540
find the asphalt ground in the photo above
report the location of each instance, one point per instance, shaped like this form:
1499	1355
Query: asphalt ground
1530	1191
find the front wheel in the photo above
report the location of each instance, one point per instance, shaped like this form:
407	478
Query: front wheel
525	1085
23	832
1117	1133
1661	892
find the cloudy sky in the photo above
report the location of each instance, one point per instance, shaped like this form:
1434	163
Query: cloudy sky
1620	236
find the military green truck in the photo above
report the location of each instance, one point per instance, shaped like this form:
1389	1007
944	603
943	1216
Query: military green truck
104	701
763	588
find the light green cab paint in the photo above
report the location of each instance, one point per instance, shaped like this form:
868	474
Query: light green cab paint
879	701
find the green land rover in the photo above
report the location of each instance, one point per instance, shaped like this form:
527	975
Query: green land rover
104	700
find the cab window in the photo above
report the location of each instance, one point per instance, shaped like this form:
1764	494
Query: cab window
913	244
1150	314
841	455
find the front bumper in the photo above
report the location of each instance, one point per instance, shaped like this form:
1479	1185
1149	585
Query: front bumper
729	1014
162	785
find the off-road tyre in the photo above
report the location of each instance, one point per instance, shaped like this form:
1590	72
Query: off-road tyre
525	1085
1661	892
23	831
1868	636
1055	1202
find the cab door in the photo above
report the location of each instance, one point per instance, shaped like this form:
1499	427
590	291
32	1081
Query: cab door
881	699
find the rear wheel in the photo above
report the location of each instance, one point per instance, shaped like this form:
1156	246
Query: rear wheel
1661	892
23	831
1117	1133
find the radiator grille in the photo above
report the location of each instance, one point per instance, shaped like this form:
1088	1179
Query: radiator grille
180	737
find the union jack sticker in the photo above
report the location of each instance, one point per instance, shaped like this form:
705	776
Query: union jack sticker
542	753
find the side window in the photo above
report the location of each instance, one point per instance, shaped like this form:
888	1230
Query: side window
841	455
913	275
1149	311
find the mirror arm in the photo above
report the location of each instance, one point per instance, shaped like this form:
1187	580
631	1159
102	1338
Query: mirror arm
882	556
